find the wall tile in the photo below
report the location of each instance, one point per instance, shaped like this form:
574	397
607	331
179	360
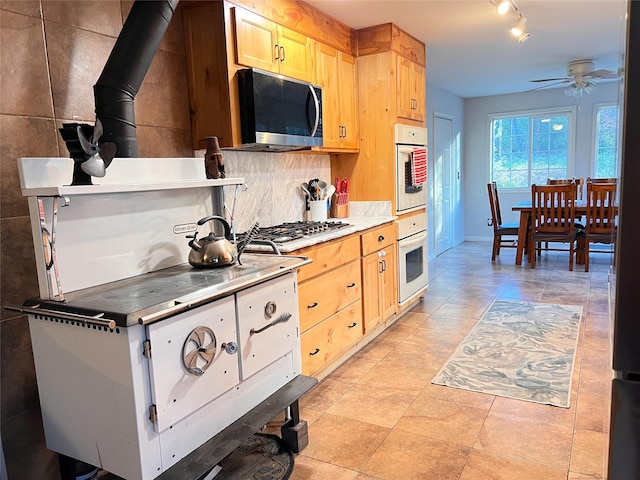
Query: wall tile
23	67
19	388
26	455
26	7
22	137
76	59
163	99
93	15
158	142
18	277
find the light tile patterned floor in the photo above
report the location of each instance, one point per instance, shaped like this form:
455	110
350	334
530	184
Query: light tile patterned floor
378	416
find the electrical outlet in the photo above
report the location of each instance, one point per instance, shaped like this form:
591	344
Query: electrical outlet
489	222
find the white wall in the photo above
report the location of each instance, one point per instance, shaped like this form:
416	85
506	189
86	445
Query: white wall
476	147
443	102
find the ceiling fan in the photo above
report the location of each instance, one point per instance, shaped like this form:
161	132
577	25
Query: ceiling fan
581	75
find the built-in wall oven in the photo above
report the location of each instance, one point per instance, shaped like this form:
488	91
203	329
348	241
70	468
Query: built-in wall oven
413	269
411	167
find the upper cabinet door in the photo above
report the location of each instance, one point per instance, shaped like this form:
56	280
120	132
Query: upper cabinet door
295	54
418	87
256	41
410	89
348	100
263	44
327	78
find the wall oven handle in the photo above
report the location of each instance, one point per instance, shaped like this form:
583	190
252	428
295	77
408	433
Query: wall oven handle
410	243
316	103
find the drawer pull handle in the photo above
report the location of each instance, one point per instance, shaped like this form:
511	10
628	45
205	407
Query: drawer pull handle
381	238
313	305
315	352
353	325
353	284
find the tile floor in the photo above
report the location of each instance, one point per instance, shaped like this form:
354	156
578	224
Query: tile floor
378	416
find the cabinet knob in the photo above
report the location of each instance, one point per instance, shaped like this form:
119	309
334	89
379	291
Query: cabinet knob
381	238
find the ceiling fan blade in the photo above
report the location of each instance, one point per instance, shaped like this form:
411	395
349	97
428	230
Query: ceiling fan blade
550	79
602	74
546	86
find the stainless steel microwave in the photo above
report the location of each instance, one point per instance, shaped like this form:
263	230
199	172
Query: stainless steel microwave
278	113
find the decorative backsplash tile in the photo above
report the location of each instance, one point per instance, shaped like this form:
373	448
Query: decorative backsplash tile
272	194
369	209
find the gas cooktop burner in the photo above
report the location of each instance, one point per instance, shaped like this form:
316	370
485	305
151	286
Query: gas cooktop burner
289	231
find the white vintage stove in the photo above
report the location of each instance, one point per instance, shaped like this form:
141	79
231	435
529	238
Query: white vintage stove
140	358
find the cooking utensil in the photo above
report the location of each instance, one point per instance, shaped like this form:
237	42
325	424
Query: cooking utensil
313	189
248	237
212	251
305	188
329	192
322	186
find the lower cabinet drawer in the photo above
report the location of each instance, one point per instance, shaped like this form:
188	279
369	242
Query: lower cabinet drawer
328	339
322	296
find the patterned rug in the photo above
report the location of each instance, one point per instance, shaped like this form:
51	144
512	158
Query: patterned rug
261	457
518	350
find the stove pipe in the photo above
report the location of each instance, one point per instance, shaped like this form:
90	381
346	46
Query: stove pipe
125	69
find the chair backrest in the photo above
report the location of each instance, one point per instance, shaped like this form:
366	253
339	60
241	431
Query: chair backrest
601	199
602	180
579	184
496	218
553	207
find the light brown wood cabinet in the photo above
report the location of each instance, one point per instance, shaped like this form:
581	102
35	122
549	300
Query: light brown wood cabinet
329	301
391	89
264	44
280	36
336	74
379	276
410	89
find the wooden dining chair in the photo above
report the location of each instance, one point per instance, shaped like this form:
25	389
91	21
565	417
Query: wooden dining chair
553	217
578	182
602	180
601	217
500	229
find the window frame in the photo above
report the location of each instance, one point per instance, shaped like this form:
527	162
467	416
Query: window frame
569	110
594	135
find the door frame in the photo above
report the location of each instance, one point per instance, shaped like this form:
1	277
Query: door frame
452	176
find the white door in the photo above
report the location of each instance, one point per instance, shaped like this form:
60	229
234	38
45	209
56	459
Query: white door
442	191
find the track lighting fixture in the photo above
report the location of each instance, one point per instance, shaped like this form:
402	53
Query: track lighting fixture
503	6
518	30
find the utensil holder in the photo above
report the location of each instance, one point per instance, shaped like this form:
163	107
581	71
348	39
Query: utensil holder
318	210
339	210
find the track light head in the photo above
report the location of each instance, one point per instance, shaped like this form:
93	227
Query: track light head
503	6
519	28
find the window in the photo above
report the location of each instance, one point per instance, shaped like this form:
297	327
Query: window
531	147
606	143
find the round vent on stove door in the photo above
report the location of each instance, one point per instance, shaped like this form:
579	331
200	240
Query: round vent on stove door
198	350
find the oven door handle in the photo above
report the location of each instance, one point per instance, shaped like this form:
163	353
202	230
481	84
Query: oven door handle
410	242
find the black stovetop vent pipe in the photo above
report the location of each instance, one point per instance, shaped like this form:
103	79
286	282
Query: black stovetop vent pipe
125	69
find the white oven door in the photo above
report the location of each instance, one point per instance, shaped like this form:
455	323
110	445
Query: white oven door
189	363
408	196
412	265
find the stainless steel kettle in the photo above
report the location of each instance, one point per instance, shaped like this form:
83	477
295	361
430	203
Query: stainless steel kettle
212	251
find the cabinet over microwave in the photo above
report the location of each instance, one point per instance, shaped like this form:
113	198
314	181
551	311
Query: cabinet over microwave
278	113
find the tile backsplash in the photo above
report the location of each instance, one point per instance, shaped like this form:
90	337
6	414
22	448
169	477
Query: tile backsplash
272	194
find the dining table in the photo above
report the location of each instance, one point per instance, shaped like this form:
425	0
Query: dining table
525	208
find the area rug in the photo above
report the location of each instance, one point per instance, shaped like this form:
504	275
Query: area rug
261	457
519	350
